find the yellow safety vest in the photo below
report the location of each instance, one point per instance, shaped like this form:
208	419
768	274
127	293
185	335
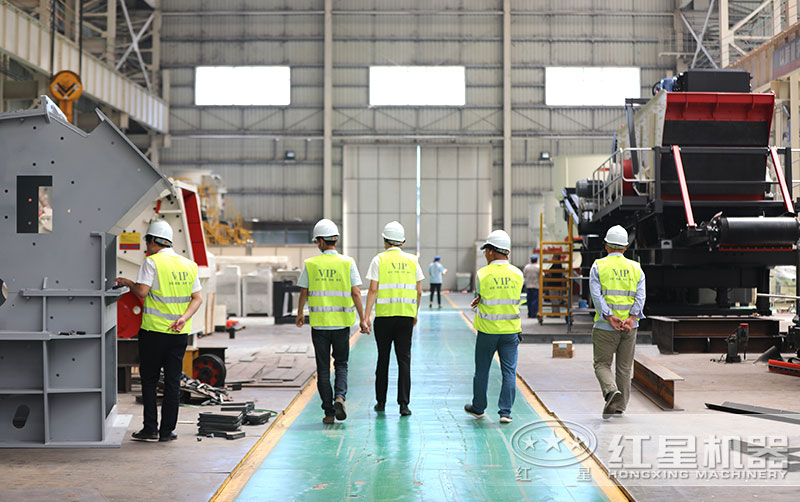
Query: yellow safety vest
329	291
165	305
500	290
619	277
397	285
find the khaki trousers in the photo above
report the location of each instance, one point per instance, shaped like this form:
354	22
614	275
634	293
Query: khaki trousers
607	344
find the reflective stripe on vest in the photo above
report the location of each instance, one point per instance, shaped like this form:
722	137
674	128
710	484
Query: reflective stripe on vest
329	293
169	302
397	285
332	309
619	278
500	290
330	301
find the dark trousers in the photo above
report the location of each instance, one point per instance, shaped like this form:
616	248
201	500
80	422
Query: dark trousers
157	351
436	288
324	340
398	330
533	302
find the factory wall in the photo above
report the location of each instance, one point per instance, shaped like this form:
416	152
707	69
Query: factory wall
246	145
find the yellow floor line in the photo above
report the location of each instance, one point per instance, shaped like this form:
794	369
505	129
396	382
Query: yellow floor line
610	486
238	478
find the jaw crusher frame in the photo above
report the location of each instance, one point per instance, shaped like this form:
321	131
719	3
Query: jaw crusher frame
696	199
58	320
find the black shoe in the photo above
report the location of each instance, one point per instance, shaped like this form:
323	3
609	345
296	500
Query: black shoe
404	411
338	405
327	419
472	411
613	401
379	407
168	437
145	435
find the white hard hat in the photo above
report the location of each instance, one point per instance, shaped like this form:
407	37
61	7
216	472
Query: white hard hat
160	229
617	236
498	239
394	231
325	228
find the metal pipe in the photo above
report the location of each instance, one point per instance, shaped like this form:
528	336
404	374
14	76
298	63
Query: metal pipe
52	37
80	39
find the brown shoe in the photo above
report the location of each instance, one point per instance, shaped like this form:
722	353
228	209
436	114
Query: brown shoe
327	419
338	405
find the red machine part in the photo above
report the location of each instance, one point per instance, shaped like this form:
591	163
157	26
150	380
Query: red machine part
784	367
210	369
197	237
129	315
720	106
627	173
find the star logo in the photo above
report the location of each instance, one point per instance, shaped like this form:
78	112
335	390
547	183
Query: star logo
553	442
533	443
529	443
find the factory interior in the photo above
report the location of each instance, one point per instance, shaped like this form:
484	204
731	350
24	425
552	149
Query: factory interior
570	230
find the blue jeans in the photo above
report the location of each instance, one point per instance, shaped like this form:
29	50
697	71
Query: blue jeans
533	302
324	340
506	347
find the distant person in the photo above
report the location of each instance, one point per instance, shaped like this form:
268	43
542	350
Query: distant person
171	291
498	289
395	290
531	273
330	282
436	272
617	285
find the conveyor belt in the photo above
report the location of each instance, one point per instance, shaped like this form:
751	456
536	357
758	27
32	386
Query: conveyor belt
438	453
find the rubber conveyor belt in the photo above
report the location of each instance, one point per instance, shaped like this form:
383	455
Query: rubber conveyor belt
438	453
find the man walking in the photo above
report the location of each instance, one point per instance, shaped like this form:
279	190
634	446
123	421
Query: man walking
395	290
171	291
531	273
330	284
617	286
435	271
498	289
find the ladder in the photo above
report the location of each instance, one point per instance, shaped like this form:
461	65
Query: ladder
555	283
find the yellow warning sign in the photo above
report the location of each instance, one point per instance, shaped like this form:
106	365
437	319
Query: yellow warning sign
130	240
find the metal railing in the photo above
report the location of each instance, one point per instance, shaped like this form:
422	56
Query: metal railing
608	180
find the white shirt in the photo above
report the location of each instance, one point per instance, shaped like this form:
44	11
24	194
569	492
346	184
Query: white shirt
374	272
149	277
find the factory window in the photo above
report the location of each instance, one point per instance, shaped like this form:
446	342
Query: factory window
591	86
242	86
417	86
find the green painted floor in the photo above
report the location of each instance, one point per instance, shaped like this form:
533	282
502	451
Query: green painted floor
439	453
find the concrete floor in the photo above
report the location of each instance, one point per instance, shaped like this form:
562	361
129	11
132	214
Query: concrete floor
188	470
183	470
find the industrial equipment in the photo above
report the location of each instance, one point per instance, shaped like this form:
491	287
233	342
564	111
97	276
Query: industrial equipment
257	292
180	207
229	289
706	199
58	326
737	342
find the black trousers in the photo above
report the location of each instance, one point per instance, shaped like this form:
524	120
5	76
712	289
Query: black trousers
436	288
157	351
324	340
395	330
